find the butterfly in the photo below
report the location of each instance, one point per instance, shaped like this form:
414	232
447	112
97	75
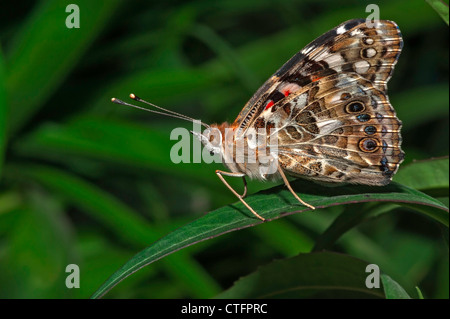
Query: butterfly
326	110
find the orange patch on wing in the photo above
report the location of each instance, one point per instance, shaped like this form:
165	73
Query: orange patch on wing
316	78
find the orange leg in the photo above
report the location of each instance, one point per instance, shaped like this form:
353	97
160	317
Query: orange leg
241	197
280	170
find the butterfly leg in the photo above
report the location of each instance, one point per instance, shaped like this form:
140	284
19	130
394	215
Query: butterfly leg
245	187
241	197
280	170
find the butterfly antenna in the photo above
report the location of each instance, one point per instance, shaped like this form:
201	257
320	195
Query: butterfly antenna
137	98
166	112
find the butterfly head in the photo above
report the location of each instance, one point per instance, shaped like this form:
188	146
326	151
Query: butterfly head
212	138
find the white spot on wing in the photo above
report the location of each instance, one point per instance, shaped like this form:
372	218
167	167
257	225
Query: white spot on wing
369	41
334	59
306	51
371	52
361	66
322	55
356	32
300	101
291	87
341	29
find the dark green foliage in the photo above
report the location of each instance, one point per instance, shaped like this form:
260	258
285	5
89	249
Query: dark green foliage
89	182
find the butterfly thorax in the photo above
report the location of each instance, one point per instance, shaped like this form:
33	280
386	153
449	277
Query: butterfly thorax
246	153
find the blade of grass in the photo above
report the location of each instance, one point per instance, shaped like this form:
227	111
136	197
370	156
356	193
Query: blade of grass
419	293
440	7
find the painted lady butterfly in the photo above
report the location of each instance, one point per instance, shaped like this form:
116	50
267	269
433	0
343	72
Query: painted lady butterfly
329	109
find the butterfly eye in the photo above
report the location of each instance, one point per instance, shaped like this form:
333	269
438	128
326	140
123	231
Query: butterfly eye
214	139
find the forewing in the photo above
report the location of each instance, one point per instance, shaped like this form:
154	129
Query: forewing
351	47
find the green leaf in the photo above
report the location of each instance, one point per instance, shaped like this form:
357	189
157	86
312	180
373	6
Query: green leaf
392	289
441	8
419	293
314	275
424	175
272	204
428	175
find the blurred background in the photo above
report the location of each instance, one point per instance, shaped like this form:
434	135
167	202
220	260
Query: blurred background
89	182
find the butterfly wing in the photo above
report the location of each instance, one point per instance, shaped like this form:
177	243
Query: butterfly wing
329	109
347	132
351	47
